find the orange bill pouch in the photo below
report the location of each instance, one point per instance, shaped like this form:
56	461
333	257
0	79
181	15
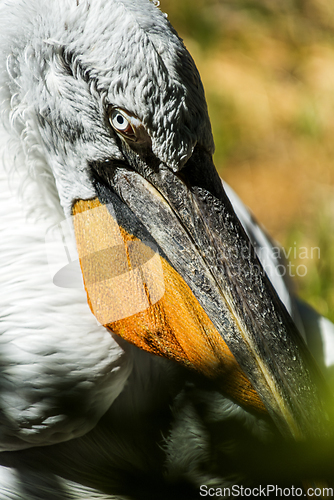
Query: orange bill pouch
134	291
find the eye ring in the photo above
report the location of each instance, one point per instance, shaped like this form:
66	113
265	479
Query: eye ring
123	123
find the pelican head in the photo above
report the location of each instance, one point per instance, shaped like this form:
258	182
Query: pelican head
109	113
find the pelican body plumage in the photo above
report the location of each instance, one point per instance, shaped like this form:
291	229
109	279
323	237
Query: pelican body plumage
144	352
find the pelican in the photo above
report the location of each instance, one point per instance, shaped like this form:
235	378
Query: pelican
146	371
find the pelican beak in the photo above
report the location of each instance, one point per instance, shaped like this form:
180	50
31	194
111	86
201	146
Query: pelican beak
168	267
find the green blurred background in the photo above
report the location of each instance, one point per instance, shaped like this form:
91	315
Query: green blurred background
268	72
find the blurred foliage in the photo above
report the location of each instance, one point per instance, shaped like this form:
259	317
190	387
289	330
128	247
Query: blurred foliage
268	72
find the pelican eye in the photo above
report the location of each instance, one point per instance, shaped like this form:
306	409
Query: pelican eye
124	124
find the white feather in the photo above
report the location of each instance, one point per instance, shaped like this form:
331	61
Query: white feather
60	370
